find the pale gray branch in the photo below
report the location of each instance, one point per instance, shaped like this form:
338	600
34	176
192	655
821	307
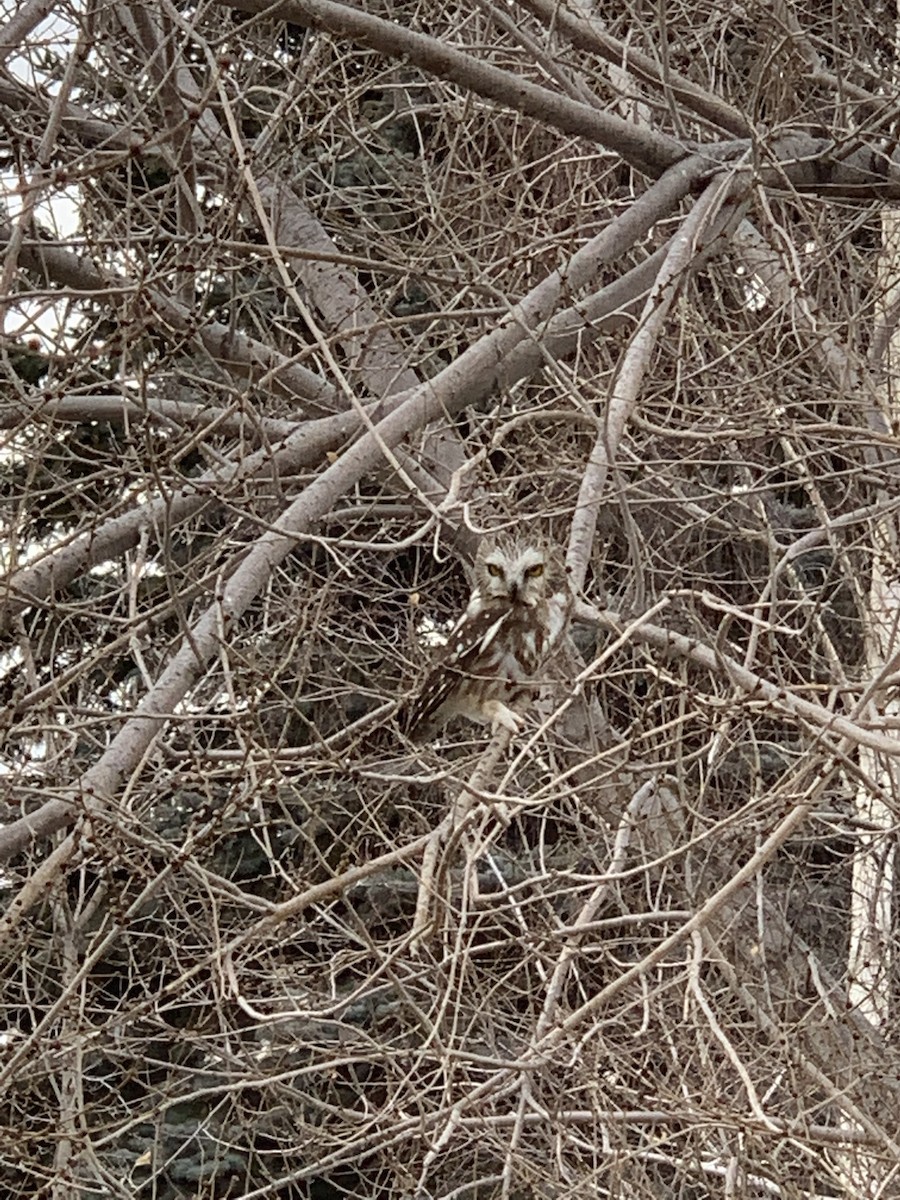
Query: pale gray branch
450	391
243	356
755	686
705	222
56	568
648	151
120	409
808	163
586	32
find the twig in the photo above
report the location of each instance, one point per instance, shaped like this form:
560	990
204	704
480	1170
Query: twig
451	825
707	218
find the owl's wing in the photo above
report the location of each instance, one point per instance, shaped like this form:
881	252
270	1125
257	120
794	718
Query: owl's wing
469	643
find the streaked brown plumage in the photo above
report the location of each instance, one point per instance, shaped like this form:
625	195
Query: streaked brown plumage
495	649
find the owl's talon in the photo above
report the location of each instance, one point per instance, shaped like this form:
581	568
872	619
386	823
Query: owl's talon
502	716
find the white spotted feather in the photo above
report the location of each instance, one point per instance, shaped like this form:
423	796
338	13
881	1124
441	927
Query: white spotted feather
496	647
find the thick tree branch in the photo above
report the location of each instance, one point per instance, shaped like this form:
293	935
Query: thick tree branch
118	410
56	568
245	357
710	215
466	381
586	32
823	720
454	388
806	163
647	151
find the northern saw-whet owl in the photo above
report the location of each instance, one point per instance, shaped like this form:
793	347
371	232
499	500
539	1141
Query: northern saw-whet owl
495	649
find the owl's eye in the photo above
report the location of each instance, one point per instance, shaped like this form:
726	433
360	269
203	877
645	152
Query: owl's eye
535	572
494	570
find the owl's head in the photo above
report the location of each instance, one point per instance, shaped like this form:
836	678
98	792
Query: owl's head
510	568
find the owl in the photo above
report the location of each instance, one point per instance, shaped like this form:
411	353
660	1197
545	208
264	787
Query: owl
498	644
